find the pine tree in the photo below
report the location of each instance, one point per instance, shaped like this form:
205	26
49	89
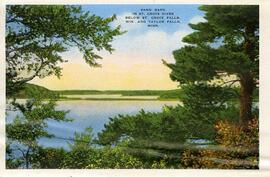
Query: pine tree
226	45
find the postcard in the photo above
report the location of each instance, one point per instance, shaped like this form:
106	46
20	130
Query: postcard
98	89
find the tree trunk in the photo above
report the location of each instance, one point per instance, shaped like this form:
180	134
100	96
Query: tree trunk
26	162
27	159
246	78
247	85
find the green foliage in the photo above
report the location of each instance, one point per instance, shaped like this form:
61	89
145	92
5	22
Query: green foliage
27	89
225	46
100	158
157	139
162	164
203	100
30	125
204	105
48	158
237	148
145	127
36	35
82	140
80	158
172	94
84	154
115	158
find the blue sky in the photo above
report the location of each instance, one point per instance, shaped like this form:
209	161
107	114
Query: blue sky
136	63
185	12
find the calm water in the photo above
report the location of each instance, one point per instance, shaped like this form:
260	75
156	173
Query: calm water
92	113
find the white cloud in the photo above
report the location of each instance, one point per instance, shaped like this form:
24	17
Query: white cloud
197	19
145	47
150	45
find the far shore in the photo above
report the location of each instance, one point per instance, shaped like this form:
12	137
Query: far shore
118	99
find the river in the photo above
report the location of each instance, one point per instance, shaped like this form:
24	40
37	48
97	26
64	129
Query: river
93	113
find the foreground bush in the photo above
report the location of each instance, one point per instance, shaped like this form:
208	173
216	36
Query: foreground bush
100	159
237	148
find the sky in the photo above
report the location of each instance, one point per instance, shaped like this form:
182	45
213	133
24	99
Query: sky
136	63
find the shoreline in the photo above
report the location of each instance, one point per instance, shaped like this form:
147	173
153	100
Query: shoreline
111	99
117	99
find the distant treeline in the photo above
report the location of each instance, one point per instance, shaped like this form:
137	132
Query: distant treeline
163	94
27	87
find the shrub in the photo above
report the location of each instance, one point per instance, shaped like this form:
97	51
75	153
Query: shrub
49	158
237	147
